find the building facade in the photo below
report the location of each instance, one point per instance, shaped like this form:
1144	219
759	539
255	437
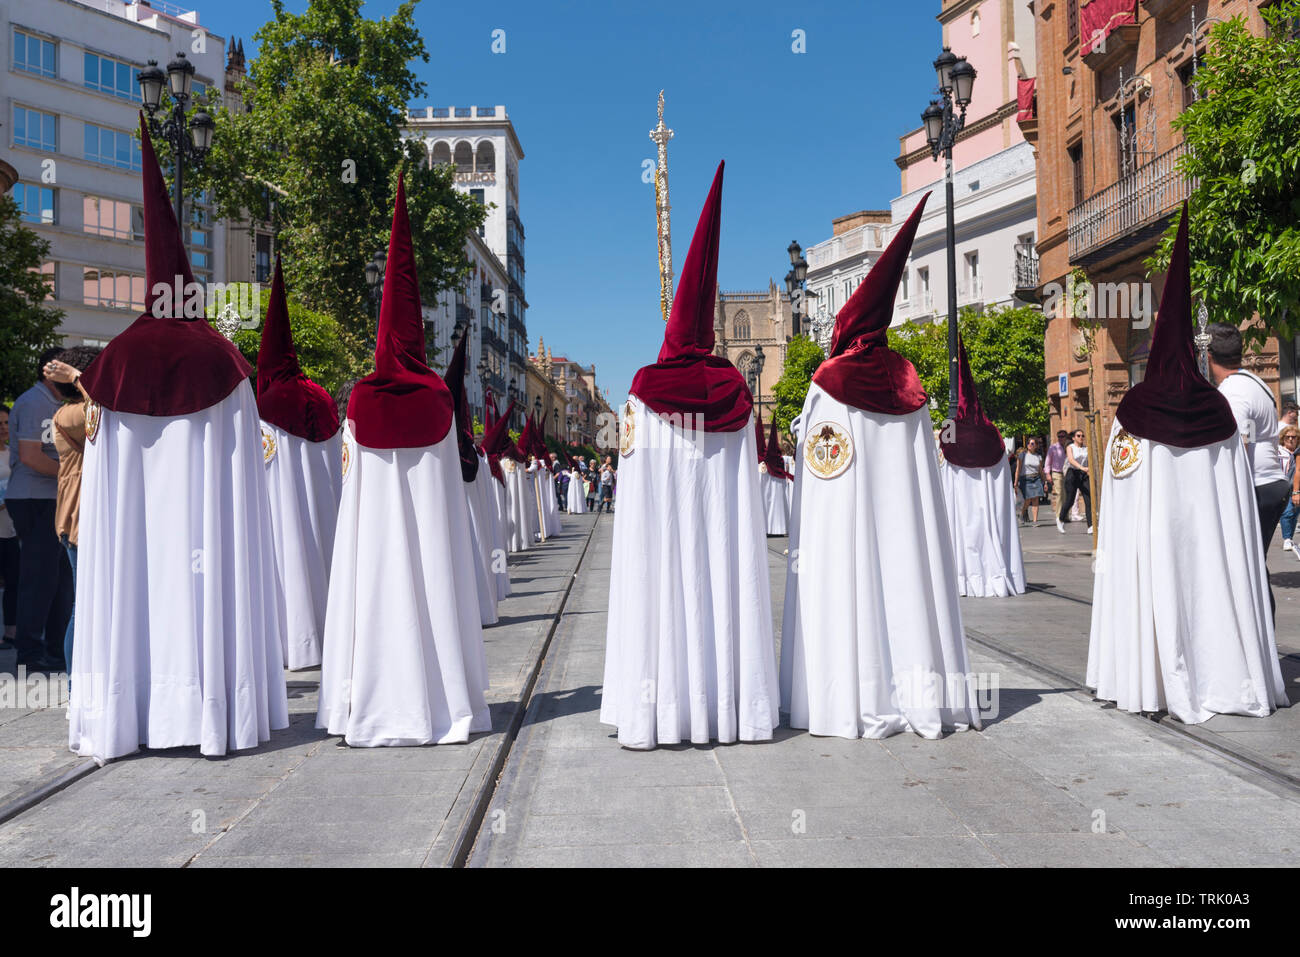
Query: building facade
1113	76
481	143
744	323
70	102
837	265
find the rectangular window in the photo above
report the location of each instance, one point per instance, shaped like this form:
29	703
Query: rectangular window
1072	20
906	285
1185	73
35	202
1076	171
263	262
35	129
115	290
111	217
111	147
110	76
34	55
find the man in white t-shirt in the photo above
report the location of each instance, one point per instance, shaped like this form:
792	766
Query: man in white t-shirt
1255	410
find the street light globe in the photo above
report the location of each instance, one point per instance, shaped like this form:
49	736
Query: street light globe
801	270
180	73
151	81
932	118
795	250
372	274
963	79
201	129
943	69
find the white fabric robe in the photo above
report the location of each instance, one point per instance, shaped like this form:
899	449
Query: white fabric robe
521	506
985	530
1180	611
550	506
577	498
776	502
690	652
872	641
177	637
403	660
480	531
303	481
495	493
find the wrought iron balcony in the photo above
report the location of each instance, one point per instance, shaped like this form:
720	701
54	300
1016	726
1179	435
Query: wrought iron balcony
1128	212
1025	268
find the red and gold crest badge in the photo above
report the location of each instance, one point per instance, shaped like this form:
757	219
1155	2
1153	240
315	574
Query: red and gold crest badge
828	451
93	414
268	445
627	430
347	454
1125	453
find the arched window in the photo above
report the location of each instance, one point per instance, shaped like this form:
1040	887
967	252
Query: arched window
745	364
441	153
740	325
487	157
464	157
975	23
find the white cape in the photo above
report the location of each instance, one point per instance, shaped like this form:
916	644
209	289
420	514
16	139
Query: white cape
776	502
550	516
177	637
872	641
496	499
690	654
577	497
403	659
303	480
480	531
985	530
1180	612
521	505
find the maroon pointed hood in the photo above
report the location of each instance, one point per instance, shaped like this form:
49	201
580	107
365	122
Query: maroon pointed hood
455	380
760	440
688	379
496	443
539	448
165	363
862	371
977	443
1174	404
489	409
772	457
285	396
403	404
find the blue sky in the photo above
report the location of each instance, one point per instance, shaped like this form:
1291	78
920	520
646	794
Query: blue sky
807	137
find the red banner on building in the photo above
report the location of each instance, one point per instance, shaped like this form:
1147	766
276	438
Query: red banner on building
1097	18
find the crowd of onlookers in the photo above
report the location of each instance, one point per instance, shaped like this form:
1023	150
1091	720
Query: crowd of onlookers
1057	473
598	482
41	442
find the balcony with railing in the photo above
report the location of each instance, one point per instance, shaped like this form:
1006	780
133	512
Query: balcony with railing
1024	271
1128	212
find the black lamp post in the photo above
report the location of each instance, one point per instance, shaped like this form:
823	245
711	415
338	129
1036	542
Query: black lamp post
794	281
190	141
375	283
942	124
756	377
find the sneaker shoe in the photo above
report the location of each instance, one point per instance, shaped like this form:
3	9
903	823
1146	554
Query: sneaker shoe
1287	546
1089	529
1060	526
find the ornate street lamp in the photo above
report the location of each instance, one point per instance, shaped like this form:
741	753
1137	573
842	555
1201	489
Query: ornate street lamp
189	141
942	122
375	283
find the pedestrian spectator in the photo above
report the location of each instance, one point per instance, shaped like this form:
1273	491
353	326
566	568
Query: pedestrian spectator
1075	480
561	483
8	543
70	442
1256	414
44	576
606	486
593	485
1054	469
1290	414
1029	478
1288	441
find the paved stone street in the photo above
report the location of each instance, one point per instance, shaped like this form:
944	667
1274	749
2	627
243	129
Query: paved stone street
1055	779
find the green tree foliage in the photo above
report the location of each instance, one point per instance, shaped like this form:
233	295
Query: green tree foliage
319	148
1005	350
802	357
1241	153
327	353
27	324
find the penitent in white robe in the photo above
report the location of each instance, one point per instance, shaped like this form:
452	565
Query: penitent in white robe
985	530
403	659
872	641
577	497
178	630
480	531
495	494
550	506
1180	611
521	506
776	502
690	654
303	480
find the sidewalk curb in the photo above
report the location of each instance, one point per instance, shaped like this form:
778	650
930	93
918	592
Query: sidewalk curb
481	798
1190	733
49	786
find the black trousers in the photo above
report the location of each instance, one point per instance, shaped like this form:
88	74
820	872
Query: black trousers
1271	499
1076	480
44	582
9	572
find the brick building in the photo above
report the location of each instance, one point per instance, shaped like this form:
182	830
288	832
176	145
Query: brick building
1112	76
